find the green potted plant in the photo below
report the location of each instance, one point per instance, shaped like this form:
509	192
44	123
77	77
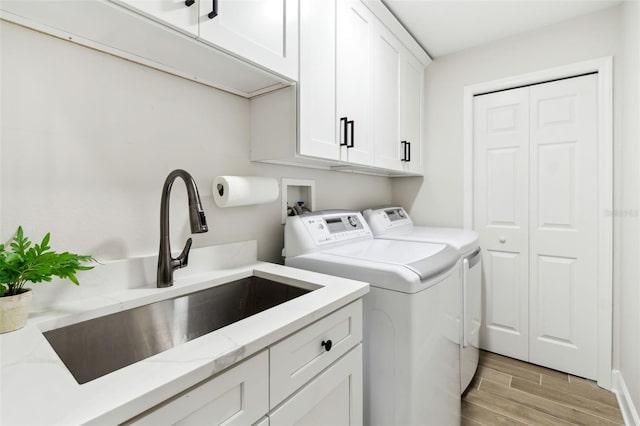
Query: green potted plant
25	262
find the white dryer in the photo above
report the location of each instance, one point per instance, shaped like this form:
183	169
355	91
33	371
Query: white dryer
394	223
411	364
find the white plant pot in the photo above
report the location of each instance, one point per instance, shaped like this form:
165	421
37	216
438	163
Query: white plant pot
14	311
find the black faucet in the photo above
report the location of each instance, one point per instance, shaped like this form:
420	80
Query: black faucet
197	219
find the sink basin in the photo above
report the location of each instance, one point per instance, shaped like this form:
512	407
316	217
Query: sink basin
93	348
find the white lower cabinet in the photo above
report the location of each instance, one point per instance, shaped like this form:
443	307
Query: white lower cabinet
239	396
333	398
311	377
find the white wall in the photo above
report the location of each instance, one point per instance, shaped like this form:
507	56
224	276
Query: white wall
87	140
629	300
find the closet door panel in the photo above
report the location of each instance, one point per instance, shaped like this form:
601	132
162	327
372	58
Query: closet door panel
564	225
501	206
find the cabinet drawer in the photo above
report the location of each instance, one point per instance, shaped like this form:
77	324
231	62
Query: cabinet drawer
332	398
235	397
298	358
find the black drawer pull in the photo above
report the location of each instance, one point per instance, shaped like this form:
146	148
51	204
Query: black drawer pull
351	123
189	3
343	126
406	151
214	12
327	344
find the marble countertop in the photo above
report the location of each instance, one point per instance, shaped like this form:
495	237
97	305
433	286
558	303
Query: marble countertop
37	389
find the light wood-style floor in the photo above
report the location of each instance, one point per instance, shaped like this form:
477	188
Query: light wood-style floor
506	391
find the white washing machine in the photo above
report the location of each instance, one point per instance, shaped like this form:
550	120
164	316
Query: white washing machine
394	223
411	363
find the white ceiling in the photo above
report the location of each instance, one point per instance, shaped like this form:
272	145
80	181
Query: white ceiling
444	27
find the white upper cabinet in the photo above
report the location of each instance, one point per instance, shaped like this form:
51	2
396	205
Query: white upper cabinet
386	70
355	26
397	104
179	14
317	86
410	112
358	105
162	34
263	31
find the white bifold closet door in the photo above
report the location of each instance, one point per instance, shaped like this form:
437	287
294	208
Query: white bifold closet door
536	210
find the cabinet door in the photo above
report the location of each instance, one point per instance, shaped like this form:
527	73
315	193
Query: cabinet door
175	13
317	86
355	26
411	95
262	31
387	52
333	398
239	396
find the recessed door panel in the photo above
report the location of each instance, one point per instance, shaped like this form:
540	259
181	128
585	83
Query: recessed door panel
503	296
556	111
502	191
505	327
556	287
556	182
502	119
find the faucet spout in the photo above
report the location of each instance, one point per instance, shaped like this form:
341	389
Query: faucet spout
197	220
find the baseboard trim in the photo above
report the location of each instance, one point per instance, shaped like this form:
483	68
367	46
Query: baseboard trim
629	411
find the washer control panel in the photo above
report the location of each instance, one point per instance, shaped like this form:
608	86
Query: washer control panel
336	227
386	219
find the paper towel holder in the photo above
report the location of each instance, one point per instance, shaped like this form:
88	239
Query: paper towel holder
236	191
295	190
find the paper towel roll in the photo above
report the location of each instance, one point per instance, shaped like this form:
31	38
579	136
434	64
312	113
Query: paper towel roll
232	191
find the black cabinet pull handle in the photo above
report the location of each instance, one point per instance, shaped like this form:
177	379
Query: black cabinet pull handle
404	150
352	124
408	151
214	12
327	344
189	3
343	126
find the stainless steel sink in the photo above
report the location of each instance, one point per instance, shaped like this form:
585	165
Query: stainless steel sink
93	348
